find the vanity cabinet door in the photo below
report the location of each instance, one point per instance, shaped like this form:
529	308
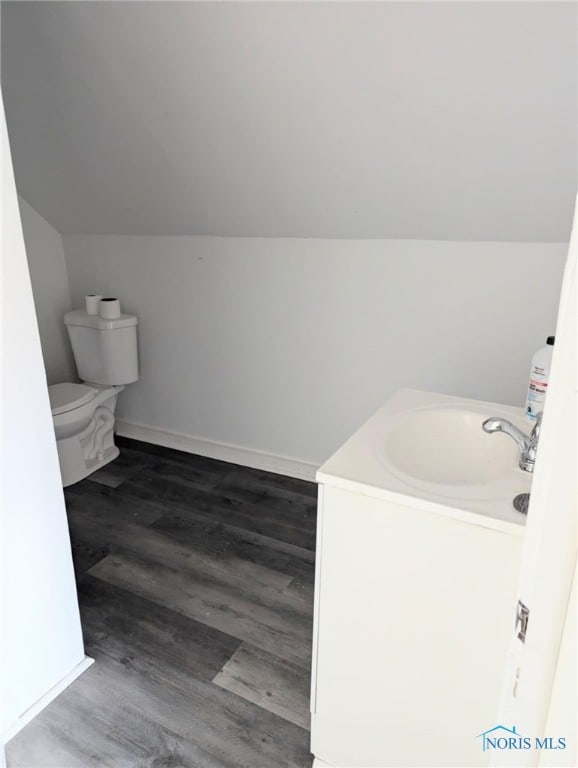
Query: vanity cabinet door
413	619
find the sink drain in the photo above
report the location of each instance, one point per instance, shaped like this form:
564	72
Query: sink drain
521	502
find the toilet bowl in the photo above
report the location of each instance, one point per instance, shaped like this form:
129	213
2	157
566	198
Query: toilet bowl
83	417
105	353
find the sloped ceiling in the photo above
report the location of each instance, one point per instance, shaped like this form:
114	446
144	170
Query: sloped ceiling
425	120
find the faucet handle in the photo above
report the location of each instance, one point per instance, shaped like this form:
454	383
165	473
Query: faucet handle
537	426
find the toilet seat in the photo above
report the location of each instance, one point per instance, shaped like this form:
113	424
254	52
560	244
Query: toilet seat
69	396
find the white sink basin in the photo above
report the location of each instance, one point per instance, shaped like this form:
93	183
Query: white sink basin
442	451
447	446
431	449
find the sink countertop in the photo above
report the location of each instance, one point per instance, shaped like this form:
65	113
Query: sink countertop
360	466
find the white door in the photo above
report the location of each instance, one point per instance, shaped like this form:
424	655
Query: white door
548	563
41	643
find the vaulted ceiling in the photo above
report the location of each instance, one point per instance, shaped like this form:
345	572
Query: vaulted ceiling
428	120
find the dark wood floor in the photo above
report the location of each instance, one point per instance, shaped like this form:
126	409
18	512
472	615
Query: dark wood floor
195	581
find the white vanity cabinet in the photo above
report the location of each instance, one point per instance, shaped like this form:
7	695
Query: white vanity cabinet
414	610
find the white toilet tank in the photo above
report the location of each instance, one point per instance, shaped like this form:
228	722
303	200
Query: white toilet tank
105	351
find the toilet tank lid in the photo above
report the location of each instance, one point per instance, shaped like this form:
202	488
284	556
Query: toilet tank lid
68	396
81	317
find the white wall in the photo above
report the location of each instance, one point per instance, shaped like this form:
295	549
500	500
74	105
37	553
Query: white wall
286	346
49	279
413	120
40	637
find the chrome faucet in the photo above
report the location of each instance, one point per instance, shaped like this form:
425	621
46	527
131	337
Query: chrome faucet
526	443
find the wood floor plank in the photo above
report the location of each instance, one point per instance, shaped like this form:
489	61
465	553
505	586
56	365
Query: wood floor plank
249	610
86	554
97	518
104	505
114	717
147	637
307	555
124	466
273	683
302	588
291	522
187	518
190	461
95	724
201	565
254	484
229	542
180	559
224	729
183	475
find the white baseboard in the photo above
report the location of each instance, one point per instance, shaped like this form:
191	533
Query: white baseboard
234	454
43	702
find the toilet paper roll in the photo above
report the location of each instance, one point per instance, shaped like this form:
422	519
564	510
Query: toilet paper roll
109	308
92	301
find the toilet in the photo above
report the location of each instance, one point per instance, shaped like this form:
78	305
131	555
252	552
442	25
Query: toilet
105	352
